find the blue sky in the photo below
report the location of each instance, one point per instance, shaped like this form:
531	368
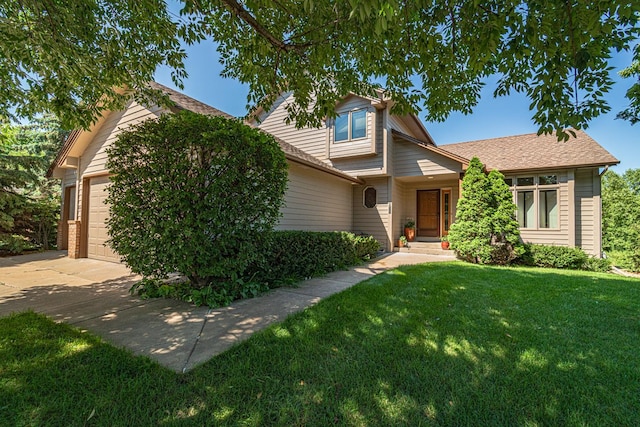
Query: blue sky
492	117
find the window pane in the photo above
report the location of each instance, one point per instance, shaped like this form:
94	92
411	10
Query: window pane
445	210
72	203
525	209
509	181
525	181
370	197
358	124
548	180
342	128
549	209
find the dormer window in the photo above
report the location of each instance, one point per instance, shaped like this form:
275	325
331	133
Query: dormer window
350	126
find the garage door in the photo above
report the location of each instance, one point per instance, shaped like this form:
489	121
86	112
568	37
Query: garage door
97	227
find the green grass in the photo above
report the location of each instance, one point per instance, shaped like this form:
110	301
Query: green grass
439	344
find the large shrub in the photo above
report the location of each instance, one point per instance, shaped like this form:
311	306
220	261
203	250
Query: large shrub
550	256
195	195
485	230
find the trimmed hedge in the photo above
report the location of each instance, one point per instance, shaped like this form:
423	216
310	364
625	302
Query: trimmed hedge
291	256
285	257
562	257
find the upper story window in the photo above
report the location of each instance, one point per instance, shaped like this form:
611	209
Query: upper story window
351	125
537	200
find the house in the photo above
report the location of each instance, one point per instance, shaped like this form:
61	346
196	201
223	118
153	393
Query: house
80	165
556	185
366	171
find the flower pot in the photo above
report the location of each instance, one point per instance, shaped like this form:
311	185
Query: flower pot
410	233
444	245
400	244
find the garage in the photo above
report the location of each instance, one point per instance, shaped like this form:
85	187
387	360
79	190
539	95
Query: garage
97	218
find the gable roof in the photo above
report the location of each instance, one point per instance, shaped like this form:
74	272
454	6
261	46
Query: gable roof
183	102
292	153
530	152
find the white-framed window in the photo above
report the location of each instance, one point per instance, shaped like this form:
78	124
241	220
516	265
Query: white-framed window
350	125
537	199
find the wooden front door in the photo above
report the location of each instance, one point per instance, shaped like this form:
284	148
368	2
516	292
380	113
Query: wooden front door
428	213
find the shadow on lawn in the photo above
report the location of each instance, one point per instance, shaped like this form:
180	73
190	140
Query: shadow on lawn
446	344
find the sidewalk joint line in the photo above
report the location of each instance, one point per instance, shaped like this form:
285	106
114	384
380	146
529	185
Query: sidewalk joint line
195	343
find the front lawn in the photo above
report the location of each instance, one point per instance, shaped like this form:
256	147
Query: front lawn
438	344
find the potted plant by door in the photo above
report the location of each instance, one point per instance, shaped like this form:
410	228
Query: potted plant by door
444	242
402	242
410	229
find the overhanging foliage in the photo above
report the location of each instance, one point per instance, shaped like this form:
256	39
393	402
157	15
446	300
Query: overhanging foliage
67	56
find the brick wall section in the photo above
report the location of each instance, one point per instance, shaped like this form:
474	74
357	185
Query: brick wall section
74	238
62	235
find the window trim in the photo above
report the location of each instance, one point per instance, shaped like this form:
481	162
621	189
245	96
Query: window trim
536	188
364	197
349	115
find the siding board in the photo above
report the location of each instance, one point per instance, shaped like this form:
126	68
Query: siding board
373	221
587	212
315	201
311	140
412	160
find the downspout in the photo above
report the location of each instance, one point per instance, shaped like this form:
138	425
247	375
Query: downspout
606	168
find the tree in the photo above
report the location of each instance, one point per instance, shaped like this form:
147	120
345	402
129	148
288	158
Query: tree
485	230
632	112
193	194
620	210
429	54
29	202
74	58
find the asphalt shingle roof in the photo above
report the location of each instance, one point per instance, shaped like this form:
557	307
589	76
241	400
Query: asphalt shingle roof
292	153
530	151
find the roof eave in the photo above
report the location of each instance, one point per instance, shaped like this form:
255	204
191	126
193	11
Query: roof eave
296	159
553	168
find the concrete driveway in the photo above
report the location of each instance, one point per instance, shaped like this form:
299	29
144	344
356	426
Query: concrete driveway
94	295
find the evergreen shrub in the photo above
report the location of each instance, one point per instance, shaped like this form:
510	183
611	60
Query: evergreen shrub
485	230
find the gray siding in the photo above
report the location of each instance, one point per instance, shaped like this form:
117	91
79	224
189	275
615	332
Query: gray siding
396	123
361	157
412	160
316	201
94	158
311	140
547	236
69	180
587	207
373	221
360	147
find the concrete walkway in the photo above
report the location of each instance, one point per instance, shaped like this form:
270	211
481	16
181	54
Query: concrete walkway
94	295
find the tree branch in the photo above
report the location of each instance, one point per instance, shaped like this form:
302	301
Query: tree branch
243	14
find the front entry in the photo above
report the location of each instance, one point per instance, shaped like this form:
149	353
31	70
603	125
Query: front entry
428	223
